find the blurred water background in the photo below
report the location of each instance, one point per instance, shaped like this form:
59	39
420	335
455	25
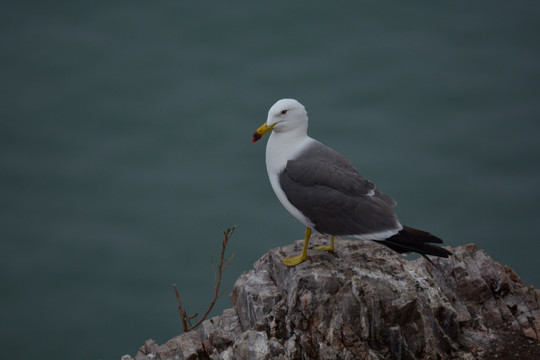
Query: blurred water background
125	146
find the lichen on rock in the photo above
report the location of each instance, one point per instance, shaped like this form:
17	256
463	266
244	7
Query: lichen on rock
364	301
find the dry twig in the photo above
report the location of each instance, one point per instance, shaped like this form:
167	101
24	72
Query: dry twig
223	264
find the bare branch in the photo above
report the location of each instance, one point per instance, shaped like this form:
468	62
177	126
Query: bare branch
223	264
180	311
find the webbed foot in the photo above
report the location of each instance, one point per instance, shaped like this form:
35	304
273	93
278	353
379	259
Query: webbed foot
294	260
327	247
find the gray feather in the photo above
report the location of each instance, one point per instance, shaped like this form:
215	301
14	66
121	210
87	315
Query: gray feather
329	191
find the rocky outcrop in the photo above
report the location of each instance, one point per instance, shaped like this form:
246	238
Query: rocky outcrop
364	302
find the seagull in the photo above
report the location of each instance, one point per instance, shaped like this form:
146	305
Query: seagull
325	192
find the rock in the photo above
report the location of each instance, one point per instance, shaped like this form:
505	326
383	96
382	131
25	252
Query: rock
364	301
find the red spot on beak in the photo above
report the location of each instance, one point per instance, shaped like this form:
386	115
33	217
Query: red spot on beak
256	138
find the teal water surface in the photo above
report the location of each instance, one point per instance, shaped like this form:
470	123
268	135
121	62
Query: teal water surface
125	146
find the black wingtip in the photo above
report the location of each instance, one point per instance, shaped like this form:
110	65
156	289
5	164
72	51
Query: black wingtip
414	240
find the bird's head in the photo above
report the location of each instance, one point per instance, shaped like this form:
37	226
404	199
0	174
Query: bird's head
285	115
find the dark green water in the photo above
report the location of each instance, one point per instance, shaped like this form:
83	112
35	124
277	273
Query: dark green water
125	146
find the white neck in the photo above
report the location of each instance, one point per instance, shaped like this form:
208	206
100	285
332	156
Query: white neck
282	147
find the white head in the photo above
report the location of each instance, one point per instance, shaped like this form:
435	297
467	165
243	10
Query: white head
286	115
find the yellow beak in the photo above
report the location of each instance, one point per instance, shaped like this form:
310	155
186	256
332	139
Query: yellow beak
263	129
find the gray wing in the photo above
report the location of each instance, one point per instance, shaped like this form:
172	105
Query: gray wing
330	192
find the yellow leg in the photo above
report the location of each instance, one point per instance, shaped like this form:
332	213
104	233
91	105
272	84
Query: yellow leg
295	260
327	248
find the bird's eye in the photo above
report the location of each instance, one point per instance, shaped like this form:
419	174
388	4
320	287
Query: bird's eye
283	112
